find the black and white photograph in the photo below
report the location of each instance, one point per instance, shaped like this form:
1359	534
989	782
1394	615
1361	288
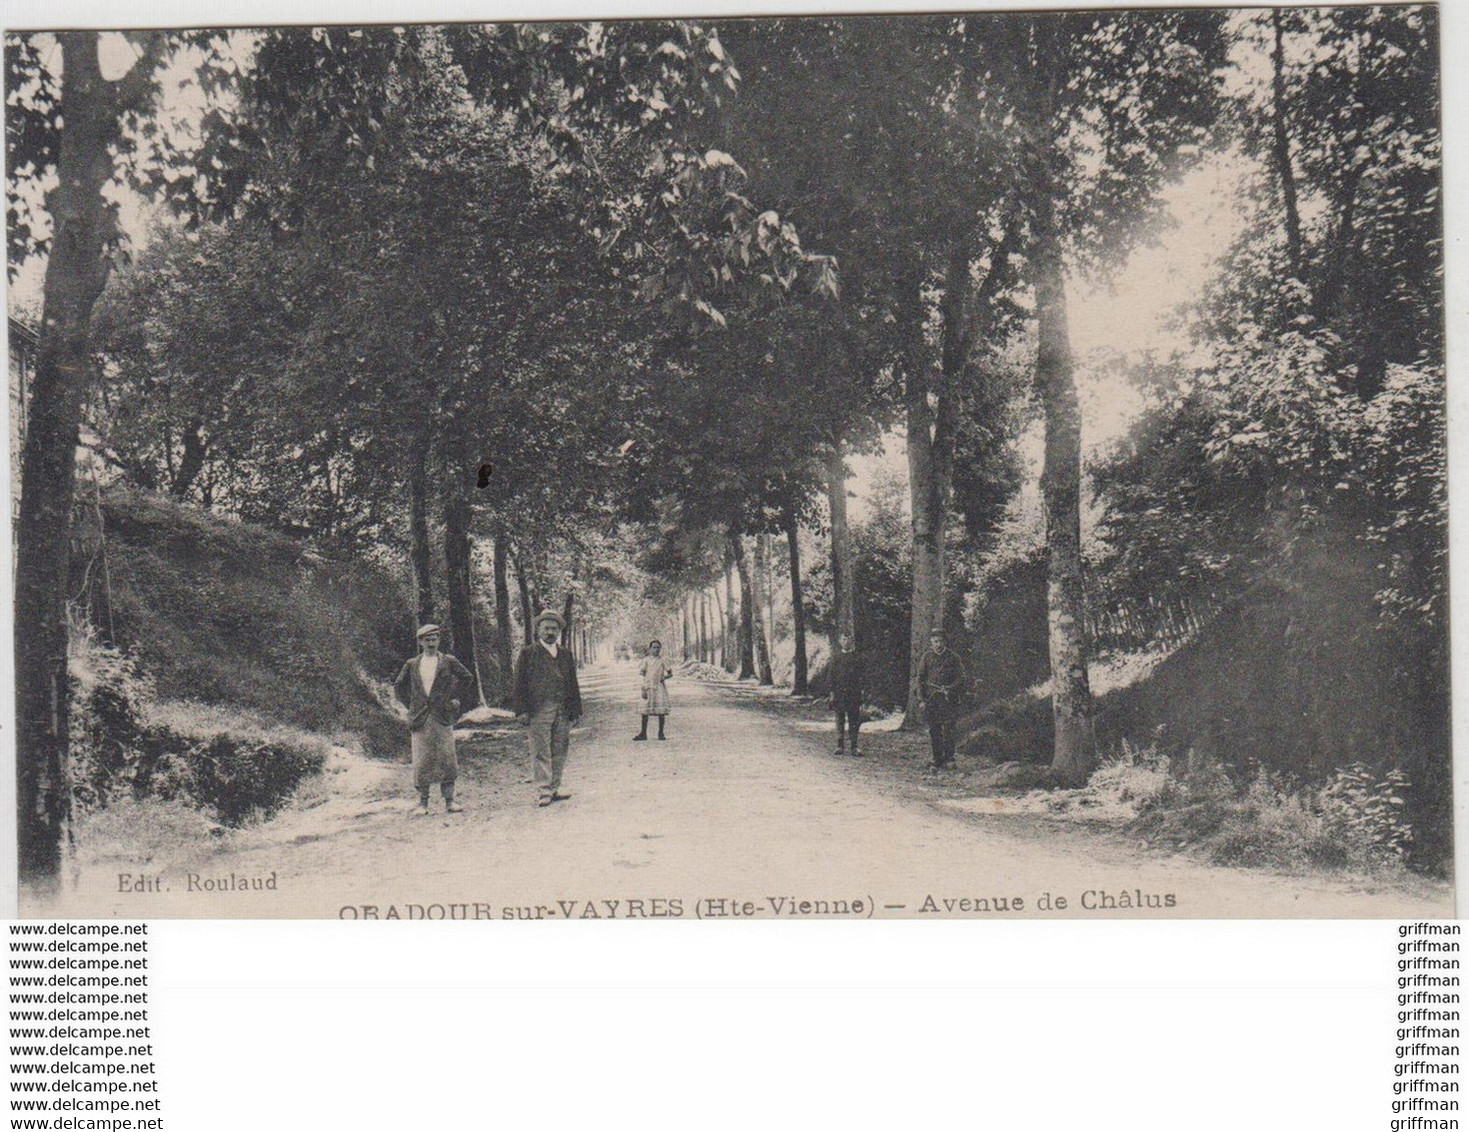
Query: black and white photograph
936	466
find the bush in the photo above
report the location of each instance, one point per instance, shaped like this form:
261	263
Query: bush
1268	824
1352	822
1006	619
882	557
108	694
126	746
1019	729
1140	777
238	776
131	831
1370	809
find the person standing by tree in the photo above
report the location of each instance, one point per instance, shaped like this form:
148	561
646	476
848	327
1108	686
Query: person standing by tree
941	684
846	692
655	673
428	685
548	702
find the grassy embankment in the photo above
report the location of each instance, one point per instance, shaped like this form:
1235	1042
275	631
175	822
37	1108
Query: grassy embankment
1291	728
234	661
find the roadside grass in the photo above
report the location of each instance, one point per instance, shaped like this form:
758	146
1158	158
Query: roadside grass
141	831
1353	822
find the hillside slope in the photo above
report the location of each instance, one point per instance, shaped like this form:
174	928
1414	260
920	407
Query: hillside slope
228	613
1299	677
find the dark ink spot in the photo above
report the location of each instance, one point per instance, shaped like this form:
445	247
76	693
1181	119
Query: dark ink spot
486	470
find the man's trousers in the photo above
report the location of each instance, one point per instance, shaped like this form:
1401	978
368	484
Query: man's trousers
550	737
941	734
850	715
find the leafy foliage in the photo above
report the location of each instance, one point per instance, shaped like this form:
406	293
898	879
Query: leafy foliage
585	253
1353	821
32	141
1270	488
1371	808
1236	462
1357	263
882	549
118	752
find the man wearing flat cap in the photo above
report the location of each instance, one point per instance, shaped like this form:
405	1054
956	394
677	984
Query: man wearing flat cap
429	686
548	702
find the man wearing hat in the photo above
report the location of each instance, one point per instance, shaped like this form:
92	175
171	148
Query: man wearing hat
942	683
548	702
429	686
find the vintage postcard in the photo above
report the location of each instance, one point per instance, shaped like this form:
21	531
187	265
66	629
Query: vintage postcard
927	466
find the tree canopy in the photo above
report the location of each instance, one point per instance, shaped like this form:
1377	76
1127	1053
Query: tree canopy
604	311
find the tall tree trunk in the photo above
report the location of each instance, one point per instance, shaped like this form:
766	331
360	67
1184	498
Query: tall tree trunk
191	462
566	608
843	564
768	552
706	644
719	621
931	464
713	624
422	554
761	588
90	587
731	626
460	589
747	612
1071	698
801	676
527	611
1281	149
76	272
1340	246
504	654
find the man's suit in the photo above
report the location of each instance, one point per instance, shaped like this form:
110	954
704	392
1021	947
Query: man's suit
546	690
846	695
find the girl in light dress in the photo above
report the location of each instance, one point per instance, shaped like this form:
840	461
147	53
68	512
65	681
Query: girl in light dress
656	674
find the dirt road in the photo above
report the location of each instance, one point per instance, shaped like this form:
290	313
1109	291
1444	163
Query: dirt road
740	810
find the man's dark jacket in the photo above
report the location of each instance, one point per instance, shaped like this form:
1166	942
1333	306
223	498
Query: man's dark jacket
846	678
541	679
450	681
942	680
